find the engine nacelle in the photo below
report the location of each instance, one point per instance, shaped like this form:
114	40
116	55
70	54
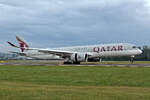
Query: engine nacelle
79	57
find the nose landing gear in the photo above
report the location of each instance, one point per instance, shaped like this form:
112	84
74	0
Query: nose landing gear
132	59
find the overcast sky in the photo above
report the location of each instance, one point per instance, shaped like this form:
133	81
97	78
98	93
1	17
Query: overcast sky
55	23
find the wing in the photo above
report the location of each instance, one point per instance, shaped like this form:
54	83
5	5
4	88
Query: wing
61	53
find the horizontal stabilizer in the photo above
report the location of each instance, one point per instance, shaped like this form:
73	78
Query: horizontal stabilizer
12	45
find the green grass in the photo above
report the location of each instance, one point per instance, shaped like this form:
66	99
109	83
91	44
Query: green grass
74	83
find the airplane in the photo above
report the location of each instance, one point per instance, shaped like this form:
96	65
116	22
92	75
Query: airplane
77	54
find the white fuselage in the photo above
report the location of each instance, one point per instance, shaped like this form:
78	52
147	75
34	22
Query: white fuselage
103	50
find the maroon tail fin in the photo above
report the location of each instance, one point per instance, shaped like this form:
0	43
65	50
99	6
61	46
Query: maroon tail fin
22	43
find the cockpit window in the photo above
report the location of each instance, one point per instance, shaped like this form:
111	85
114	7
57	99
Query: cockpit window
134	47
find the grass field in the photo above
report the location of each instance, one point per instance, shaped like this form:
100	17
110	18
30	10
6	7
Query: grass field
74	83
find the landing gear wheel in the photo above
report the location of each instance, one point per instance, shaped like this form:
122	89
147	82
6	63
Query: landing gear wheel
67	62
132	59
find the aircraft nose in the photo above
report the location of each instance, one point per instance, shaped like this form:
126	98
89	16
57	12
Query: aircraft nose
140	51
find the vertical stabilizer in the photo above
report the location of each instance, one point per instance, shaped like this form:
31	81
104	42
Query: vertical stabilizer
22	43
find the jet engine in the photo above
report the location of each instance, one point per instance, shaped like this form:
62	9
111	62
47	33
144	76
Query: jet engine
79	57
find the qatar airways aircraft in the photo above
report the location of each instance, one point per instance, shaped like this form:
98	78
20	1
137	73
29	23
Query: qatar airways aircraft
77	54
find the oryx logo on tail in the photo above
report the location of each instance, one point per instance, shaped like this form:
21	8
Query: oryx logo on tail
22	43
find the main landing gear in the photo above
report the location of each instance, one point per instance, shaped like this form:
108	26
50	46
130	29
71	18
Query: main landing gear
68	62
71	62
76	62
